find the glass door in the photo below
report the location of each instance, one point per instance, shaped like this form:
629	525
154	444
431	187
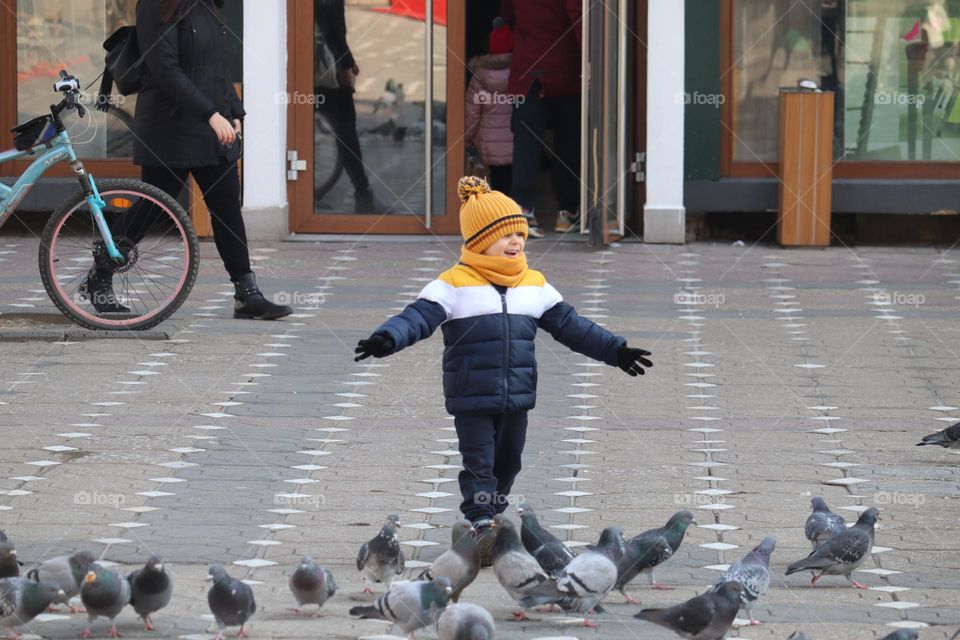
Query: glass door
368	112
603	161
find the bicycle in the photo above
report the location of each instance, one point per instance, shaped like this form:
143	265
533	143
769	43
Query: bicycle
119	253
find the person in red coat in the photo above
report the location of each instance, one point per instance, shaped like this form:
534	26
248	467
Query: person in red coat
545	81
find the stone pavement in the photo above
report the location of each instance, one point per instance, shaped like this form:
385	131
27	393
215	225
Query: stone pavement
779	375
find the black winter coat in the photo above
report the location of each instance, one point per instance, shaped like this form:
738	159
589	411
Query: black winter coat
186	82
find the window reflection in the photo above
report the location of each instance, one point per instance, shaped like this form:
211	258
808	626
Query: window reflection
54	35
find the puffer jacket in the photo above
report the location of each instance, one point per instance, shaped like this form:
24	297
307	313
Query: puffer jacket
489	109
489	360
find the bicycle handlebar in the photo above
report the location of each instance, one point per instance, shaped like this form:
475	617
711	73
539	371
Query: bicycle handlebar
70	85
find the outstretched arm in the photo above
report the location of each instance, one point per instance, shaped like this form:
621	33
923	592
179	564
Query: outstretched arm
580	334
417	321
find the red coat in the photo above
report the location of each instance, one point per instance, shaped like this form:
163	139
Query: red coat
546	45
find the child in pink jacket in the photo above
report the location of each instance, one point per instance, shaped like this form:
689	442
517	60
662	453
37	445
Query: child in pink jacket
489	107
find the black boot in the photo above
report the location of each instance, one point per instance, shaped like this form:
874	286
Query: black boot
97	287
250	303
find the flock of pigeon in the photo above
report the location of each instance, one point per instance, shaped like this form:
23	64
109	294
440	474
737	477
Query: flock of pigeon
533	566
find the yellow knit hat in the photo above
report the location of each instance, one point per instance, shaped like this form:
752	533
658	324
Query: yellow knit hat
485	215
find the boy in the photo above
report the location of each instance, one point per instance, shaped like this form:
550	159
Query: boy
490	306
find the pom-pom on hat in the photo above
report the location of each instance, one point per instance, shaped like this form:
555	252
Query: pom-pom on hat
501	37
485	215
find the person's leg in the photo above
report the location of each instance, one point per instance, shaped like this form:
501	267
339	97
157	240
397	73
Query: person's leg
220	185
511	435
476	438
341	112
135	224
500	177
565	122
528	123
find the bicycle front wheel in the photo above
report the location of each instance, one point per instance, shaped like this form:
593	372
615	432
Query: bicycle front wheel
159	265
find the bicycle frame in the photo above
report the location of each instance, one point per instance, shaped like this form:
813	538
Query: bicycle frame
59	149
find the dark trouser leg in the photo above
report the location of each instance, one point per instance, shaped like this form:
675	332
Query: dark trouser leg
477	441
136	223
500	177
341	112
529	123
511	435
565	123
220	185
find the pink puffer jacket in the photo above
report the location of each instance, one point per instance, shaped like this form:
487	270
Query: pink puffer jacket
489	109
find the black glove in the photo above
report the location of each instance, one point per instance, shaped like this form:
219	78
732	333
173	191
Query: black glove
377	345
632	360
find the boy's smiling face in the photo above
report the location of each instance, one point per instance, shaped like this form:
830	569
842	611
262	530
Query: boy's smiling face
509	246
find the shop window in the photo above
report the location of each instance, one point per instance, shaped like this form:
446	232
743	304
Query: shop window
54	35
894	65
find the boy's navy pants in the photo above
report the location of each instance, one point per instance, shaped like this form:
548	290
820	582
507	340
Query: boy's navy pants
491	446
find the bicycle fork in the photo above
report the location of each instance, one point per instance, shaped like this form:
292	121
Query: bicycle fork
89	188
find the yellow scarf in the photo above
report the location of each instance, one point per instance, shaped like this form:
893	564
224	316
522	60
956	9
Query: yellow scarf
507	272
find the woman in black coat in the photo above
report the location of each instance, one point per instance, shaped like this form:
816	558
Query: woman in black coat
188	122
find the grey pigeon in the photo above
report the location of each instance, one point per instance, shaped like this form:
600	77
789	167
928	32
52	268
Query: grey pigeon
514	567
704	617
380	559
949	438
904	634
548	550
410	604
231	601
822	524
459	564
104	593
67	571
311	584
465	621
9	565
23	599
640	545
586	581
150	590
843	553
753	574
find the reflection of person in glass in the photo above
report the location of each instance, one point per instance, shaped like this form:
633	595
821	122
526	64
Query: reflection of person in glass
335	73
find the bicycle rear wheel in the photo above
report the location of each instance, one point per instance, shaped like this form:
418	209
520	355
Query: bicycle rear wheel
159	266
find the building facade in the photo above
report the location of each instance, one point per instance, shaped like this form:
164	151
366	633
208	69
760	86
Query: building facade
678	106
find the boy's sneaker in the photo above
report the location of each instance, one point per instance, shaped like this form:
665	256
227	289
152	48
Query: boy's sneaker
567	221
485	535
534	230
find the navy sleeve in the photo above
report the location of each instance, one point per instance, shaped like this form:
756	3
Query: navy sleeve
416	322
579	334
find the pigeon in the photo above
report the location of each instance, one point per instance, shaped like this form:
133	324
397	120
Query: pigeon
381	558
905	634
549	551
104	593
586	581
822	524
460	564
410	604
753	574
797	635
704	617
9	565
66	571
23	599
843	553
672	533
640	554
949	438
516	570
150	590
230	600
311	584
464	621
